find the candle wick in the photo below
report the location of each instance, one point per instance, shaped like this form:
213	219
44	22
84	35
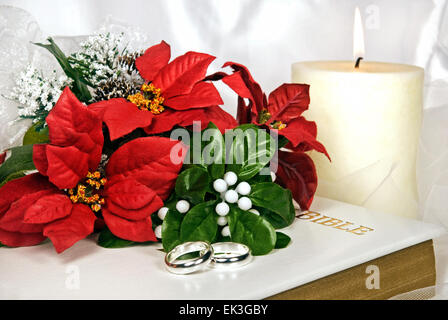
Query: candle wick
357	62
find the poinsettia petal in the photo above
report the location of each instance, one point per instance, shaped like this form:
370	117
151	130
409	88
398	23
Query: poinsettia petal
301	131
132	200
66	166
71	123
203	94
181	74
154	59
236	83
40	158
170	118
48	209
13	219
69	230
139	231
167	120
2	157
149	161
15	197
288	101
121	116
222	119
245	86
243	113
296	171
17	239
17	188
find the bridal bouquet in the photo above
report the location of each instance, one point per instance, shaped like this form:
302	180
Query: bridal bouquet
136	147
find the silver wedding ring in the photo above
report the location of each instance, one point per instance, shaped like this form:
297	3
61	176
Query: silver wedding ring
230	255
180	266
218	255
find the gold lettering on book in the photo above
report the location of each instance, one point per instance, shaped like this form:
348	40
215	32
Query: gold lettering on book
346	224
308	215
319	219
339	224
361	230
331	222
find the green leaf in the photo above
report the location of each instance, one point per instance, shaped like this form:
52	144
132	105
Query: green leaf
79	86
252	230
276	199
192	184
171	229
251	150
12	176
275	219
2	245
282	240
108	240
282	141
200	223
20	160
33	136
260	178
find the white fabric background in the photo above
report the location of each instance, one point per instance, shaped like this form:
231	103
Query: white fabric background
267	36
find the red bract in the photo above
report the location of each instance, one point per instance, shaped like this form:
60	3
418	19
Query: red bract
141	175
76	142
296	172
59	201
170	118
175	86
282	111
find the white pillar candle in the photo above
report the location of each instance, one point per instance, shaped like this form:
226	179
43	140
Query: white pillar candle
369	120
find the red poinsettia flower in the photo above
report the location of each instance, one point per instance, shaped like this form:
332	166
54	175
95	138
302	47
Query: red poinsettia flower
282	112
172	91
61	200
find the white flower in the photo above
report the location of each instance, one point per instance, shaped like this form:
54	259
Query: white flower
37	94
97	58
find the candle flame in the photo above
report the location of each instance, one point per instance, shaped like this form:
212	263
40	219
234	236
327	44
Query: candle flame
358	36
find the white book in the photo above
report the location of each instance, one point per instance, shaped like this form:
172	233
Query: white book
320	247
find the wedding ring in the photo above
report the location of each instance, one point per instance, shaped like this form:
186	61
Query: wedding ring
230	254
178	266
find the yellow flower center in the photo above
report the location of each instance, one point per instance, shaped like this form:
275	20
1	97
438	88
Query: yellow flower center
148	99
88	191
279	125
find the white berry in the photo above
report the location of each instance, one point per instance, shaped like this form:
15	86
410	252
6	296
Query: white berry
222	221
244	203
225	231
220	185
230	178
254	211
222	209
243	188
182	206
162	212
158	232
231	196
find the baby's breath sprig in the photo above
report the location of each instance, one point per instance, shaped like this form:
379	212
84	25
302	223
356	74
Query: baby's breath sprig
37	94
97	58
